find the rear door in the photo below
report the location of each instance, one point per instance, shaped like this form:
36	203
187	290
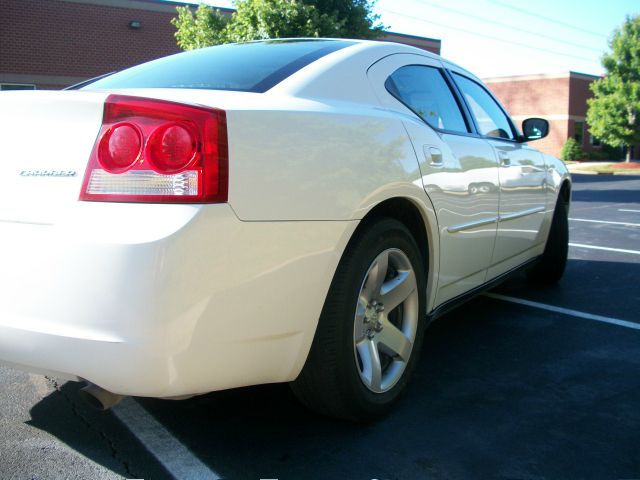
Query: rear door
459	170
522	178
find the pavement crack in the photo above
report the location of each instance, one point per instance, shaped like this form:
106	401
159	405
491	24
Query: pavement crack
87	423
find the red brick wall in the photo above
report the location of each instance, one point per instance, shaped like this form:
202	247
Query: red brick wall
43	40
542	97
60	38
558	135
579	92
562	100
533	97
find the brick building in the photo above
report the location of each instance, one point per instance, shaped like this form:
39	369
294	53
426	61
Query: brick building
56	43
559	98
50	44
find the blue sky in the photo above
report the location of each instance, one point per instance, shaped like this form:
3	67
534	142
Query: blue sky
510	37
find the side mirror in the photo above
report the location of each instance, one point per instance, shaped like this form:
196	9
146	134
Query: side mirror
534	129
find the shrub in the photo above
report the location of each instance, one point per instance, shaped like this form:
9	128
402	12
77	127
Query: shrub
571	150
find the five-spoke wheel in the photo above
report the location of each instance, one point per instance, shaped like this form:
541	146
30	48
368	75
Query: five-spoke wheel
386	320
370	329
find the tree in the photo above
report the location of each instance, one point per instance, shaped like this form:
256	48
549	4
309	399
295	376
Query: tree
261	19
614	111
354	18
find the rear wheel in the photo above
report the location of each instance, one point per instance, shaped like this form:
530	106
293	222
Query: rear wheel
553	261
370	329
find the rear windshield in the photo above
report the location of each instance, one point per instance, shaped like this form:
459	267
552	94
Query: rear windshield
246	67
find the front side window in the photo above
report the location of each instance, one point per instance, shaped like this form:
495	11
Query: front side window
491	120
424	90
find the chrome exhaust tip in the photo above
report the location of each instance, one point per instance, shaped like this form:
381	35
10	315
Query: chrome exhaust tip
98	397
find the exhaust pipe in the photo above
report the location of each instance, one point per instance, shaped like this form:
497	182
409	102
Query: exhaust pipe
98	397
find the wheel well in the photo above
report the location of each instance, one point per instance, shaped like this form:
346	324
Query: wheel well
565	192
406	212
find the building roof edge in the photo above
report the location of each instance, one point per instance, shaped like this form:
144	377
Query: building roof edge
540	76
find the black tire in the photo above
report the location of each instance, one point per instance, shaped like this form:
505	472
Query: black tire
330	382
552	263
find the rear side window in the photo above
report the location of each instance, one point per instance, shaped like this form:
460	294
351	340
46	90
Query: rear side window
492	121
424	90
247	67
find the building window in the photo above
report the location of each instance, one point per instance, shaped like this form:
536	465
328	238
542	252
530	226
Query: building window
16	86
594	141
578	131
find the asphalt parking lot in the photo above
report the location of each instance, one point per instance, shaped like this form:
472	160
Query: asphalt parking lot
545	389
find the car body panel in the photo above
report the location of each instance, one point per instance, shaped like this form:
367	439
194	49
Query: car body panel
172	300
42	160
522	199
161	306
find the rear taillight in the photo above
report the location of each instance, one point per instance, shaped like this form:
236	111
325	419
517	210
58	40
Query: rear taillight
159	152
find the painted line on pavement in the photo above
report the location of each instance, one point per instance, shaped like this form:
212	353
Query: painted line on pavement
565	311
607	249
628	210
173	455
628	224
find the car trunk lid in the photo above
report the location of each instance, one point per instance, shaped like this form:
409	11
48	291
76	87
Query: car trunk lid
46	140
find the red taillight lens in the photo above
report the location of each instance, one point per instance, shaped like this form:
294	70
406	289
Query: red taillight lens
119	148
171	148
157	151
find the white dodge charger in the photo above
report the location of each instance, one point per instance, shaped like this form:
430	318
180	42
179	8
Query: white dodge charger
277	211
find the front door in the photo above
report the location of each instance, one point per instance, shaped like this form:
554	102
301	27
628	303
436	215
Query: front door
522	176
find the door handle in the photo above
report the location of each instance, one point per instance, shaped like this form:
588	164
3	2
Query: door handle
505	161
434	155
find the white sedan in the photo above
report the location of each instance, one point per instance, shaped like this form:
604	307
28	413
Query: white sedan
278	211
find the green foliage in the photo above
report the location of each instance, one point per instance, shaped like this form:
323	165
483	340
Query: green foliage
571	150
353	18
205	27
613	114
612	153
608	153
261	19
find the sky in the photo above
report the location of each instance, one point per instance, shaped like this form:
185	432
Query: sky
510	37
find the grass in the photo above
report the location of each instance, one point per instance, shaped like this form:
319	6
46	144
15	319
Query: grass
621	168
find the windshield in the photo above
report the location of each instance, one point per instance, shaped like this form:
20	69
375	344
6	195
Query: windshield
247	67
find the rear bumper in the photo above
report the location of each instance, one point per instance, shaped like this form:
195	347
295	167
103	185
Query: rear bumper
164	300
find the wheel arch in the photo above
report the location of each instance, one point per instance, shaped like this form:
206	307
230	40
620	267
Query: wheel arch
422	225
565	191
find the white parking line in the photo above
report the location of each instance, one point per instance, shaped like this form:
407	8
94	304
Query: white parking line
628	224
174	457
565	311
628	210
608	249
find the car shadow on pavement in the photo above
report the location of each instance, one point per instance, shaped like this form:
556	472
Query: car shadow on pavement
501	391
97	435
